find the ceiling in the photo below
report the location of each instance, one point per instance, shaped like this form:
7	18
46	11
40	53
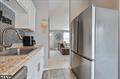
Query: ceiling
58	12
38	2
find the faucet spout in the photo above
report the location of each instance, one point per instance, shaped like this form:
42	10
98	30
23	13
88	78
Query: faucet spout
4	33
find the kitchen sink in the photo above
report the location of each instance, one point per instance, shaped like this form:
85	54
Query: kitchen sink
17	51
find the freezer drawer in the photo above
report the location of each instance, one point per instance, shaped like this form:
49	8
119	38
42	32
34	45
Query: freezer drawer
85	69
75	64
81	67
74	34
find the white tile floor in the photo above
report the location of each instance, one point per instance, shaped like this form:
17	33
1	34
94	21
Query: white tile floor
58	67
58	74
57	60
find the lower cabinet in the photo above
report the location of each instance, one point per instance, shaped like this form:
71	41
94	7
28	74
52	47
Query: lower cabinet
35	66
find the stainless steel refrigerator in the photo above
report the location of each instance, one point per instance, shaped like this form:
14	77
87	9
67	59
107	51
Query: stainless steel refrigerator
94	45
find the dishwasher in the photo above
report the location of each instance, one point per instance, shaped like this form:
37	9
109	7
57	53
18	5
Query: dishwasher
21	74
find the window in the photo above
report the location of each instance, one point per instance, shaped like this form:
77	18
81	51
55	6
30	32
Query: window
66	37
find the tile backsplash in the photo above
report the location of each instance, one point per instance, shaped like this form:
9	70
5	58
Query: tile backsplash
8	13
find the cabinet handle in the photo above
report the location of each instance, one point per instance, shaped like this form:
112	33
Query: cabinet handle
38	68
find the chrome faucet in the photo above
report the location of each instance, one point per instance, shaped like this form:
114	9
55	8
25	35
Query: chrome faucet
4	45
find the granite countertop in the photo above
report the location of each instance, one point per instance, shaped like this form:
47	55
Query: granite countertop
19	45
9	65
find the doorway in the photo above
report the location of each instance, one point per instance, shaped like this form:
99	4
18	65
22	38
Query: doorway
59	35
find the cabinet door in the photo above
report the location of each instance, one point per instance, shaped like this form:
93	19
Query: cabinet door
26	21
35	66
37	70
31	14
23	3
39	65
21	20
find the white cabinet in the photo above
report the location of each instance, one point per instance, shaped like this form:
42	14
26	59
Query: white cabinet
25	12
26	21
21	20
35	66
18	6
23	4
31	15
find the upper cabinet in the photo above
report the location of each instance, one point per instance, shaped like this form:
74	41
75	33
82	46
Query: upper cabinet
26	21
31	15
25	12
23	4
18	6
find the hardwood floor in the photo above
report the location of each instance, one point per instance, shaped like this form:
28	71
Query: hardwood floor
58	74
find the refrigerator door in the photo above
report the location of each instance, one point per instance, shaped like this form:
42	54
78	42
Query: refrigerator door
74	34
75	64
82	67
86	35
80	35
85	69
106	57
82	59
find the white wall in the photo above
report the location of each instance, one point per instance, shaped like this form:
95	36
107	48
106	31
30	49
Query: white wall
59	14
119	41
77	6
52	41
112	4
41	38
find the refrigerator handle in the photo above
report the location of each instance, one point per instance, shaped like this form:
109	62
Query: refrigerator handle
82	56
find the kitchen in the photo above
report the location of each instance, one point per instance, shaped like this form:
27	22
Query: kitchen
17	60
30	18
